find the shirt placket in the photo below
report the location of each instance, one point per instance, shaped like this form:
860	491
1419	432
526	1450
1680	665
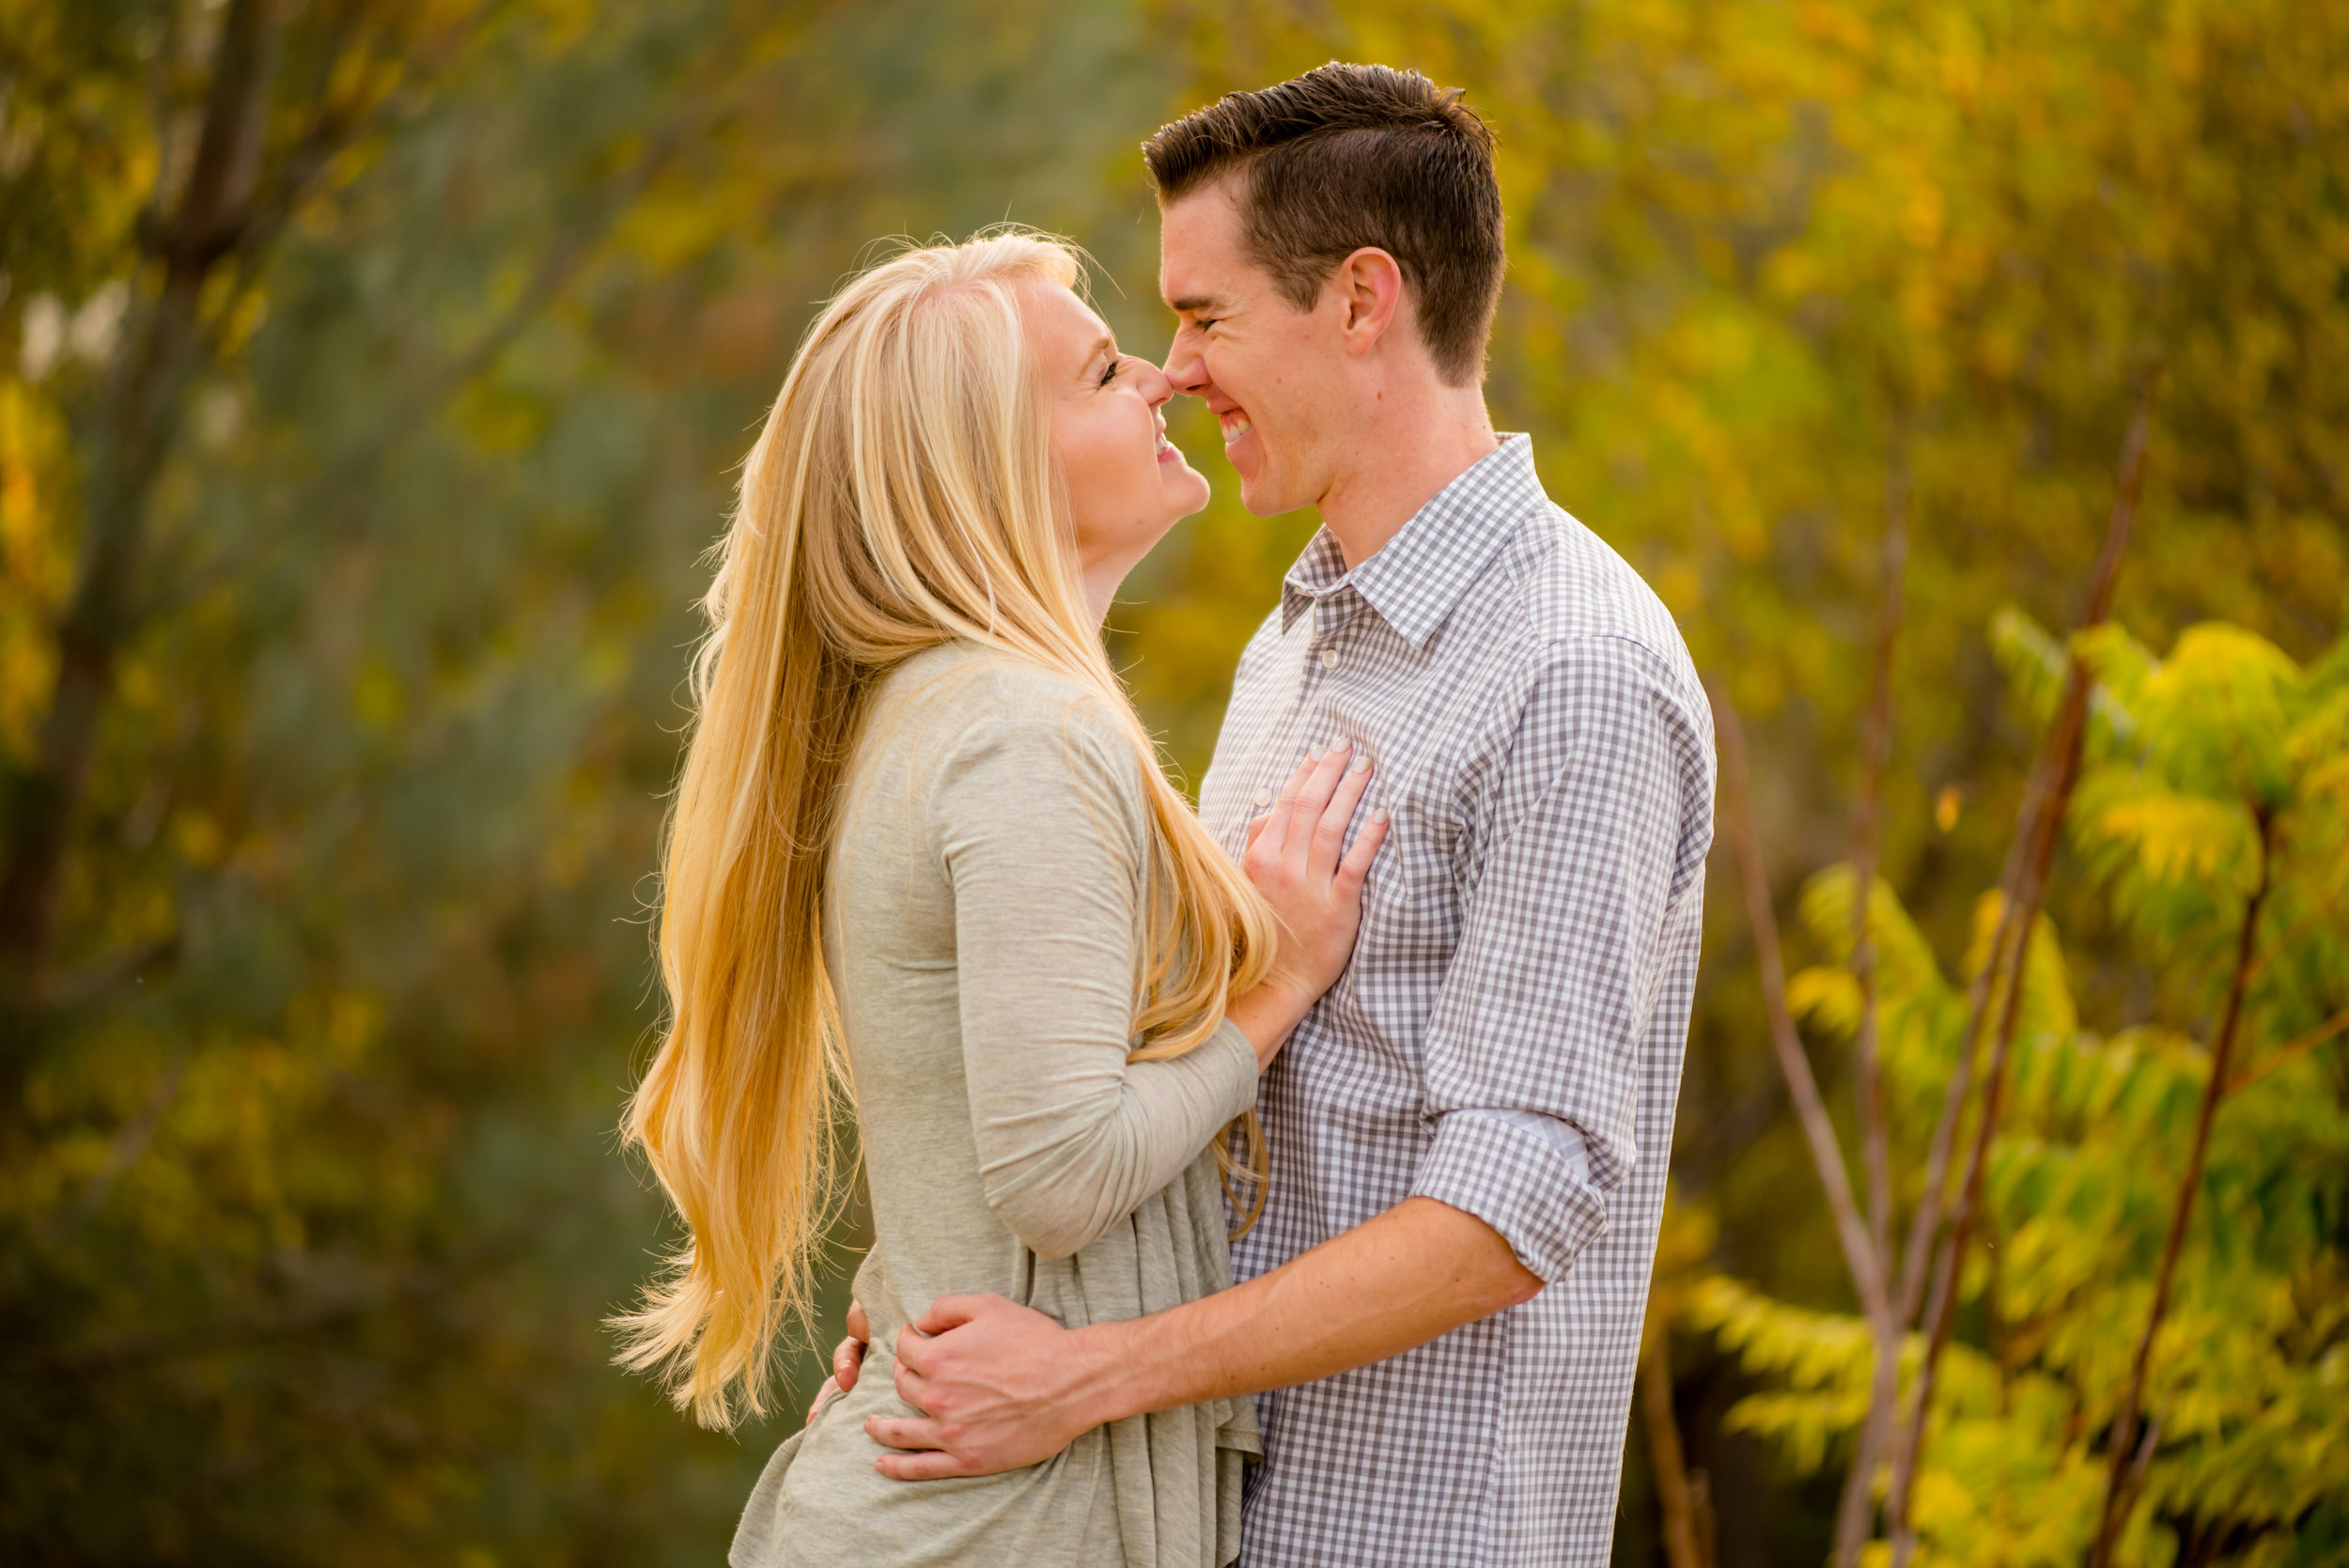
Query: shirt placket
1326	620
1329	659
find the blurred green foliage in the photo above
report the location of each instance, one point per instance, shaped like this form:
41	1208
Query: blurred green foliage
308	1201
313	1209
2217	774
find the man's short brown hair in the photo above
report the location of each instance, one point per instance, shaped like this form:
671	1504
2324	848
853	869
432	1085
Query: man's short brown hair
1350	156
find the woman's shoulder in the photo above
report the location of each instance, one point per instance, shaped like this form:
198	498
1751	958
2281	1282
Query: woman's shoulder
988	741
964	688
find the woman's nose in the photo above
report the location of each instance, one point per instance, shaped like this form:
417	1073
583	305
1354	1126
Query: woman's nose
1153	383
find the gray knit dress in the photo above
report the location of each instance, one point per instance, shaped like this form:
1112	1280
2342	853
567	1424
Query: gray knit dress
984	934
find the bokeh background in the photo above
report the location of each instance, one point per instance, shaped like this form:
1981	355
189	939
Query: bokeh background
356	469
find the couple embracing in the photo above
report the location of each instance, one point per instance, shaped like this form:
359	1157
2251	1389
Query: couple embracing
1389	1030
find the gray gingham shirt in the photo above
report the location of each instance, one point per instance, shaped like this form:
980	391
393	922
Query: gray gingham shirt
1508	1039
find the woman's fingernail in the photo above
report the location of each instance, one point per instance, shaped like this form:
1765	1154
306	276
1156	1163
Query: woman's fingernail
1378	816
1342	745
1362	764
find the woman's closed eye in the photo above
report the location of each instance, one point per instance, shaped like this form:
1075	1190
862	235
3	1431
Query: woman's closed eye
1109	372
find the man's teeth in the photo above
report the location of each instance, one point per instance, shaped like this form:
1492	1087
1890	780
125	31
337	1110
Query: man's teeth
1236	427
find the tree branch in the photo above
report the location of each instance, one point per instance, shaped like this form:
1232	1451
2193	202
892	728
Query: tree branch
2040	827
1688	1537
1737	816
2123	1443
144	395
559	263
738	56
2291	1051
1854	1512
130	1140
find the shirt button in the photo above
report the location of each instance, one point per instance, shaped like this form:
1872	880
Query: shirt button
1329	658
1264	798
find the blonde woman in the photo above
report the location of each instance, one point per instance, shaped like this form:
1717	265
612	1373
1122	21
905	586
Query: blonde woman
920	822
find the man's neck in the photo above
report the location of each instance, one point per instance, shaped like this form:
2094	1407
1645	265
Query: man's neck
1403	451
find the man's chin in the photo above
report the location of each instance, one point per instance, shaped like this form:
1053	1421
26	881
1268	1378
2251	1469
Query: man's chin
1263	497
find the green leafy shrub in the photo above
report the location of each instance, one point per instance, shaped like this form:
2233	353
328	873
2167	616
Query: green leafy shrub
2216	783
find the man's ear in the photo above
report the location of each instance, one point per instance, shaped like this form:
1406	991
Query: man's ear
1369	284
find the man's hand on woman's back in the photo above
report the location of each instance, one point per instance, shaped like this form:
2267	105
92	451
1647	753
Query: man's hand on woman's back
1299	857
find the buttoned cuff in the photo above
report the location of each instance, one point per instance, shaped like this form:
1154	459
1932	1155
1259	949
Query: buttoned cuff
1529	1188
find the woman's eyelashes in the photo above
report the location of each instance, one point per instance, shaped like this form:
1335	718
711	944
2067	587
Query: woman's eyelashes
1109	372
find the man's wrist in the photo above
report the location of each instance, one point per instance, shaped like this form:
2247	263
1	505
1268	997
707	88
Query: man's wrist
1106	1363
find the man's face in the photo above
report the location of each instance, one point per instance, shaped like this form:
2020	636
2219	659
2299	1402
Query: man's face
1275	377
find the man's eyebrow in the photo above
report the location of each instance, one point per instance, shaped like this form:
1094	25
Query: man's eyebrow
1191	302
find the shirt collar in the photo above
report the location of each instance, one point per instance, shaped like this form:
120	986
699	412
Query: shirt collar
1418	577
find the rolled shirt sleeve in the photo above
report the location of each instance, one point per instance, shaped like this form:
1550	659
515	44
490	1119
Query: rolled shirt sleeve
1532	1057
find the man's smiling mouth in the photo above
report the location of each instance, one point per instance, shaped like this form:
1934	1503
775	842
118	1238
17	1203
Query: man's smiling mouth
1235	424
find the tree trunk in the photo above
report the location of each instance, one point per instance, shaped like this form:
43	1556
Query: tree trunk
137	419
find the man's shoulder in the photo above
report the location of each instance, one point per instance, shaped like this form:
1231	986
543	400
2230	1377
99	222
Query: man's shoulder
1583	613
1602	658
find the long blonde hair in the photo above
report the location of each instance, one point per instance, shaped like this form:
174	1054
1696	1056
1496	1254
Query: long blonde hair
902	495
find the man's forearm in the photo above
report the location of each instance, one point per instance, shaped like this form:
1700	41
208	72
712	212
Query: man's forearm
1419	1270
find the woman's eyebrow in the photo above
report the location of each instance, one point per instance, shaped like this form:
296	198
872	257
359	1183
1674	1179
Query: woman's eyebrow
1106	346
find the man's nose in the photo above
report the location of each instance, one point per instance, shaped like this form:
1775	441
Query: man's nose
1185	369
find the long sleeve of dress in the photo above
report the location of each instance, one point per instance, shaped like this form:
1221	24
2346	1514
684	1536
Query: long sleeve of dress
1035	813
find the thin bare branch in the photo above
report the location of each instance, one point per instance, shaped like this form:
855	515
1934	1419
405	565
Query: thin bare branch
111	973
754	39
322	1294
2124	1456
2147	1446
2038	831
704	104
129	1143
1854	1514
1924	1226
1917	1254
2291	1051
1867	840
1688	1539
1738	818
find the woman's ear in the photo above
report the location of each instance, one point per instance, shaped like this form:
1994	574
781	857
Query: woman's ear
1370	284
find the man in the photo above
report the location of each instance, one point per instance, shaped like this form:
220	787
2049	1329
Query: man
1441	1306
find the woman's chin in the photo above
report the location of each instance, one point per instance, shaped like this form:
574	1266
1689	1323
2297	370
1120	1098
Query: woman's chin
1189	489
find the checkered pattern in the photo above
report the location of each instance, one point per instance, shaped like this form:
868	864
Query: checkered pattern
1528	947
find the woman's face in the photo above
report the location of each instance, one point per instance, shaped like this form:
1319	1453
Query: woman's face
1127	483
